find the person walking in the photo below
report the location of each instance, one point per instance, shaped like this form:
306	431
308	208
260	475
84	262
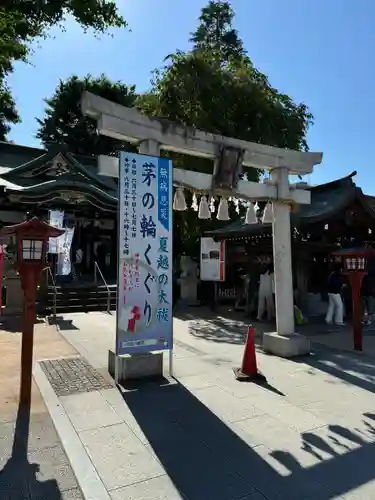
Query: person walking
335	309
265	296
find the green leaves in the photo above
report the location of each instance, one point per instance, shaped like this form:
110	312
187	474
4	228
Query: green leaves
23	21
64	123
215	31
215	87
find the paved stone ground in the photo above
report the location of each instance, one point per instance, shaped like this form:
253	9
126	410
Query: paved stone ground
307	435
33	464
73	375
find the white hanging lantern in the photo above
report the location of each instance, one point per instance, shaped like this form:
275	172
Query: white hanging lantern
223	210
212	205
268	214
194	204
236	202
179	203
251	216
204	209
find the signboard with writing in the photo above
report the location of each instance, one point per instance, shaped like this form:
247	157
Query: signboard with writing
56	219
64	244
144	300
212	260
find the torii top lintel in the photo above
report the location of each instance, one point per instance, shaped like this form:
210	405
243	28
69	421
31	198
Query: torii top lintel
128	124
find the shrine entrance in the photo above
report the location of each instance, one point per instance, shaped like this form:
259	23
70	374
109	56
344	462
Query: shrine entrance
229	156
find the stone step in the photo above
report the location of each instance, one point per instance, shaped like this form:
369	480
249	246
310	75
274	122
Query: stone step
75	298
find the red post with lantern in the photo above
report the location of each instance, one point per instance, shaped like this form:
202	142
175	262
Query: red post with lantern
32	238
355	267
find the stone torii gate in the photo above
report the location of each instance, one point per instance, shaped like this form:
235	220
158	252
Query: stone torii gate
153	134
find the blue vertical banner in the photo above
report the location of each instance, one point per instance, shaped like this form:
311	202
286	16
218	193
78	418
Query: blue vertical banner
164	207
144	309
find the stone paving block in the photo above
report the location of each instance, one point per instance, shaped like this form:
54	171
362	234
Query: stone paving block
165	423
200	474
45	476
159	488
74	494
119	457
89	411
347	472
276	482
294	416
192	382
42	434
224	405
73	375
54	464
265	430
345	415
225	379
181	353
254	496
302	395
190	366
362	492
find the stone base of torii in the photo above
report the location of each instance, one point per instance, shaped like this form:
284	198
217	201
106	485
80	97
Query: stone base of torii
151	135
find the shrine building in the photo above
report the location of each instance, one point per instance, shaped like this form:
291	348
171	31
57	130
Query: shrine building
340	216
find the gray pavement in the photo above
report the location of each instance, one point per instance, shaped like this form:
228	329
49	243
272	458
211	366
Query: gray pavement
33	464
307	435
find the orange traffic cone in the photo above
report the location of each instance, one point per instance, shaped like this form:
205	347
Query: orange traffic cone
249	370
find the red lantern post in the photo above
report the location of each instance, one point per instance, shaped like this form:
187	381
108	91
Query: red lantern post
355	268
32	238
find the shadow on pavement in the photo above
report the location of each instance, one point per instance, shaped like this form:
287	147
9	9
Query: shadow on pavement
13	323
205	459
345	469
223	326
350	367
65	324
18	478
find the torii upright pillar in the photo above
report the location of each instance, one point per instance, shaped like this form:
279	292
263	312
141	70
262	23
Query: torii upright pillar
127	124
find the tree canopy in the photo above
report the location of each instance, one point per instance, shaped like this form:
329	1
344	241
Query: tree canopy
64	123
215	31
23	21
214	87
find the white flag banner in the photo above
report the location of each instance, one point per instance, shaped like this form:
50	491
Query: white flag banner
64	264
56	219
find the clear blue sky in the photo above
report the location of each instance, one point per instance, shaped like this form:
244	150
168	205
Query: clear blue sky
318	52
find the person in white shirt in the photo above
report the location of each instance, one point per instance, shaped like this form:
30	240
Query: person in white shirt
265	296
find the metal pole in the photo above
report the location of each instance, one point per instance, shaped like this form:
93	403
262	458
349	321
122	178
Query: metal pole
116	369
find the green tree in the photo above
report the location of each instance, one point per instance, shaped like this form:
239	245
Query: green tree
23	21
215	87
11	49
215	31
64	123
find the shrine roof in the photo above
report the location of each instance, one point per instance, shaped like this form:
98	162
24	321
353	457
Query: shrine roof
326	201
31	173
